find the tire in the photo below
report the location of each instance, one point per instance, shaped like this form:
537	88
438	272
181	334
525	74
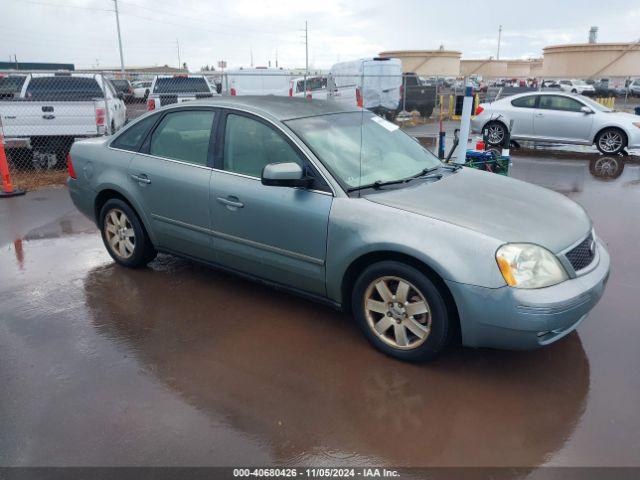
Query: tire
611	141
132	247
393	329
497	133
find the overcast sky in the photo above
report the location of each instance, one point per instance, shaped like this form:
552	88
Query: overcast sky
83	32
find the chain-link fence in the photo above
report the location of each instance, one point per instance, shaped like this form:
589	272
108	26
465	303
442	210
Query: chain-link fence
43	113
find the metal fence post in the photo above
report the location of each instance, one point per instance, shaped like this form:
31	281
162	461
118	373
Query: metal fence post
8	190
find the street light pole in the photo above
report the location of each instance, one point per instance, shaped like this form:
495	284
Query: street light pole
306	55
119	36
499	39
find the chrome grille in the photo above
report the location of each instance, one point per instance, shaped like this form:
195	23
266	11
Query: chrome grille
582	255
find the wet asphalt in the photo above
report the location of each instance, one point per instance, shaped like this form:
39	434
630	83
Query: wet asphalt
180	364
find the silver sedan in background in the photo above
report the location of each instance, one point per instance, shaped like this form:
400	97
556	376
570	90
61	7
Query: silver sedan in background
558	118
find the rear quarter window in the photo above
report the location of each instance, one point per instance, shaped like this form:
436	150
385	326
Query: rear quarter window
63	89
525	102
131	139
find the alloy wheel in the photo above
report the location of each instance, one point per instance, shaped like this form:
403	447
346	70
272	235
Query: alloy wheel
610	142
119	233
496	134
397	312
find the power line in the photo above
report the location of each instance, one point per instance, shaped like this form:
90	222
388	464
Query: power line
59	5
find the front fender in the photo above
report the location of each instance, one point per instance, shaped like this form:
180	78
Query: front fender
359	227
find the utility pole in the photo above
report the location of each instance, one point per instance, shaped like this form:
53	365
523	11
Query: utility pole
306	55
15	58
251	53
499	39
119	36
178	47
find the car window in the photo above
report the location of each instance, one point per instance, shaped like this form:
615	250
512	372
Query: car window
183	136
525	102
249	145
63	88
132	138
181	84
556	102
565	82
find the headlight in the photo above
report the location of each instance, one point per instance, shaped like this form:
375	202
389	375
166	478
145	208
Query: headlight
524	265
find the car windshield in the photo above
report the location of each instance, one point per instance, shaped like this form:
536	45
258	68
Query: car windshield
362	148
595	105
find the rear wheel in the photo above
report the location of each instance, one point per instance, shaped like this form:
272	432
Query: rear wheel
124	235
496	133
401	311
611	141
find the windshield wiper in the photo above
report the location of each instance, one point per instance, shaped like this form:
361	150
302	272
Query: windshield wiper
377	184
454	167
423	172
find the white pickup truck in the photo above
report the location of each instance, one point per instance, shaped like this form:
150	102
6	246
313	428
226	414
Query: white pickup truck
168	89
52	110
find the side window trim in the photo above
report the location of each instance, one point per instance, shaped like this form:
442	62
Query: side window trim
218	163
146	144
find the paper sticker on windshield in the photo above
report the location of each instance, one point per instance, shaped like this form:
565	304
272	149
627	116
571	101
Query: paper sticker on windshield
382	122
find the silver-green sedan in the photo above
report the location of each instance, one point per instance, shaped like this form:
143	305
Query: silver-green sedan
341	206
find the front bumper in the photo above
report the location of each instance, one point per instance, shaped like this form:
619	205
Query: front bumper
523	319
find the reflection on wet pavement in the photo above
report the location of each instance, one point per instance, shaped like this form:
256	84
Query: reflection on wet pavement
180	364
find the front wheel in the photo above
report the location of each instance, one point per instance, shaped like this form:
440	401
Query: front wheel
401	311
611	141
124	235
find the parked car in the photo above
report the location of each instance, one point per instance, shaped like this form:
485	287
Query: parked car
372	83
558	118
316	87
605	87
576	86
168	89
141	90
258	81
339	205
122	85
551	84
634	88
416	95
53	110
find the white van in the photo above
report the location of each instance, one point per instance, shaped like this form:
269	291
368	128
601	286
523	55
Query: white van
372	83
316	87
257	81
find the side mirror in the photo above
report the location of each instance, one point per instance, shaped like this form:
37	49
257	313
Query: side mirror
288	174
586	110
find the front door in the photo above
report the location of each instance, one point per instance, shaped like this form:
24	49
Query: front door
560	118
171	177
275	233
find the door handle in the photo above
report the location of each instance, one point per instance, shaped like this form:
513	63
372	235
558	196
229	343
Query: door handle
142	178
539	114
48	117
231	202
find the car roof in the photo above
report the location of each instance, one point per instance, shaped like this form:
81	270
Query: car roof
560	93
276	107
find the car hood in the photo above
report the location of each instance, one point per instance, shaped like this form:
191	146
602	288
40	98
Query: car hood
504	208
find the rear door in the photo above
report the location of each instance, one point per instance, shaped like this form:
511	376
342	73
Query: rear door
275	233
170	176
559	118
